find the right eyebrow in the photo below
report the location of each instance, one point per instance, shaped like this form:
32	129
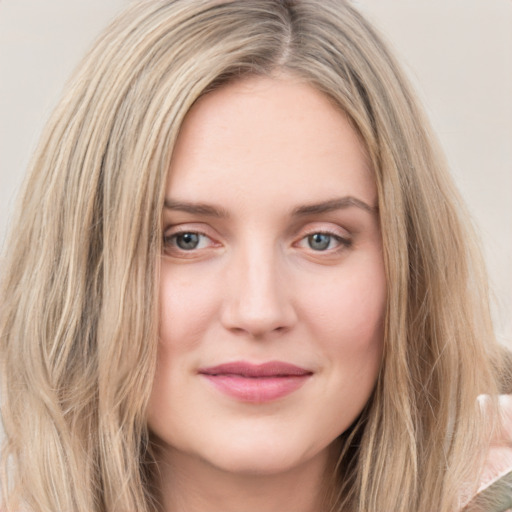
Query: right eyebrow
196	208
334	204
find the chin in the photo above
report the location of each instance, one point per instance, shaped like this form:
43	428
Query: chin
255	463
260	456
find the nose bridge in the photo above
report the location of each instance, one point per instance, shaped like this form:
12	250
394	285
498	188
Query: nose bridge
257	301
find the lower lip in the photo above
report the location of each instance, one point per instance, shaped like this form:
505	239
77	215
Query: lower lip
259	389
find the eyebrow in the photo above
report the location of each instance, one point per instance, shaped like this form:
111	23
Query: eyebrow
309	209
196	208
332	205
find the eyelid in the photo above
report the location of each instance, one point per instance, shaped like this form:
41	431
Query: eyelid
327	228
341	235
173	231
188	227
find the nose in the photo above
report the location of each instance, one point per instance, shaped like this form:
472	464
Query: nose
258	298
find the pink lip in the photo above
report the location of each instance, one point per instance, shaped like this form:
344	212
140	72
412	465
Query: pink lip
256	383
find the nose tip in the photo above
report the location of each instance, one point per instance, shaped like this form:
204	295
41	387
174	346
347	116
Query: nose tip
255	321
257	303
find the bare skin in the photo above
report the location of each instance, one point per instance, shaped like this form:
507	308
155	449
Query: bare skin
273	260
200	487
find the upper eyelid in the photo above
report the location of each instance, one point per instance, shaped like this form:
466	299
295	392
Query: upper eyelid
187	227
171	248
328	228
342	240
184	231
327	231
296	229
317	227
341	235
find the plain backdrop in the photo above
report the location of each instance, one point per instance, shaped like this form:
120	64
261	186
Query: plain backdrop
458	53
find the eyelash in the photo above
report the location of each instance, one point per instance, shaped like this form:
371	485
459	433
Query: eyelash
344	243
170	242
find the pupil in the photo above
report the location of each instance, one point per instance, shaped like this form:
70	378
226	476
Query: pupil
187	241
319	241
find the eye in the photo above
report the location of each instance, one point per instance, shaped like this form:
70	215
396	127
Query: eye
319	241
186	241
324	241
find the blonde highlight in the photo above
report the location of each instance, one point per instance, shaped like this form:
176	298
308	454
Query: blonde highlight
79	350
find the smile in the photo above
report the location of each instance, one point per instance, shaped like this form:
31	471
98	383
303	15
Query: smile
256	383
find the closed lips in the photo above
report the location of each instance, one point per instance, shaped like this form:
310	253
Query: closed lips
260	383
248	370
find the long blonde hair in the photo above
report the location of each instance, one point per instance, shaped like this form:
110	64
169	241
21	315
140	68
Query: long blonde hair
79	311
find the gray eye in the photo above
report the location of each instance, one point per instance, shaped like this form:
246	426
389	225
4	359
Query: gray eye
187	241
319	241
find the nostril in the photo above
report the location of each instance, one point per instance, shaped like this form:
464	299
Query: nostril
256	300
257	333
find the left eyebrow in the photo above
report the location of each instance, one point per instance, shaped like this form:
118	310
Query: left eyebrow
334	204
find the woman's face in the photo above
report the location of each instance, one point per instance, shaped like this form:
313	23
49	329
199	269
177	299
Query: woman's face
272	281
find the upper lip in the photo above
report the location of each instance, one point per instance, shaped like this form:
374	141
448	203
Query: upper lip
245	369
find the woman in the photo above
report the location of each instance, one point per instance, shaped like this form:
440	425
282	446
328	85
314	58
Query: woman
239	279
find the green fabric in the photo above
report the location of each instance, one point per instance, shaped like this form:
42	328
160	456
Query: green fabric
495	498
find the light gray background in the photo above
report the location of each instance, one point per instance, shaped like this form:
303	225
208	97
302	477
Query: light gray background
458	53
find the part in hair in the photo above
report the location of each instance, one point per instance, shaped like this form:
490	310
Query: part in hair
79	312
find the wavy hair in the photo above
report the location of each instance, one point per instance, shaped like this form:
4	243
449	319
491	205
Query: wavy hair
78	318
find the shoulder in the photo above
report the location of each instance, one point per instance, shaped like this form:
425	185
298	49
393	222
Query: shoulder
495	489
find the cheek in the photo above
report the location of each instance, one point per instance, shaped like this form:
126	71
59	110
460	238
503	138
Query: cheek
346	318
349	307
187	304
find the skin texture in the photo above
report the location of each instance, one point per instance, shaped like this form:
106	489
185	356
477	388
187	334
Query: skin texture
254	284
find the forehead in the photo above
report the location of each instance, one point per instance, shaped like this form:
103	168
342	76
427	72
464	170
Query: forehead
278	134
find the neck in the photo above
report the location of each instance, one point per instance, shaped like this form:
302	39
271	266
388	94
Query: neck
189	484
